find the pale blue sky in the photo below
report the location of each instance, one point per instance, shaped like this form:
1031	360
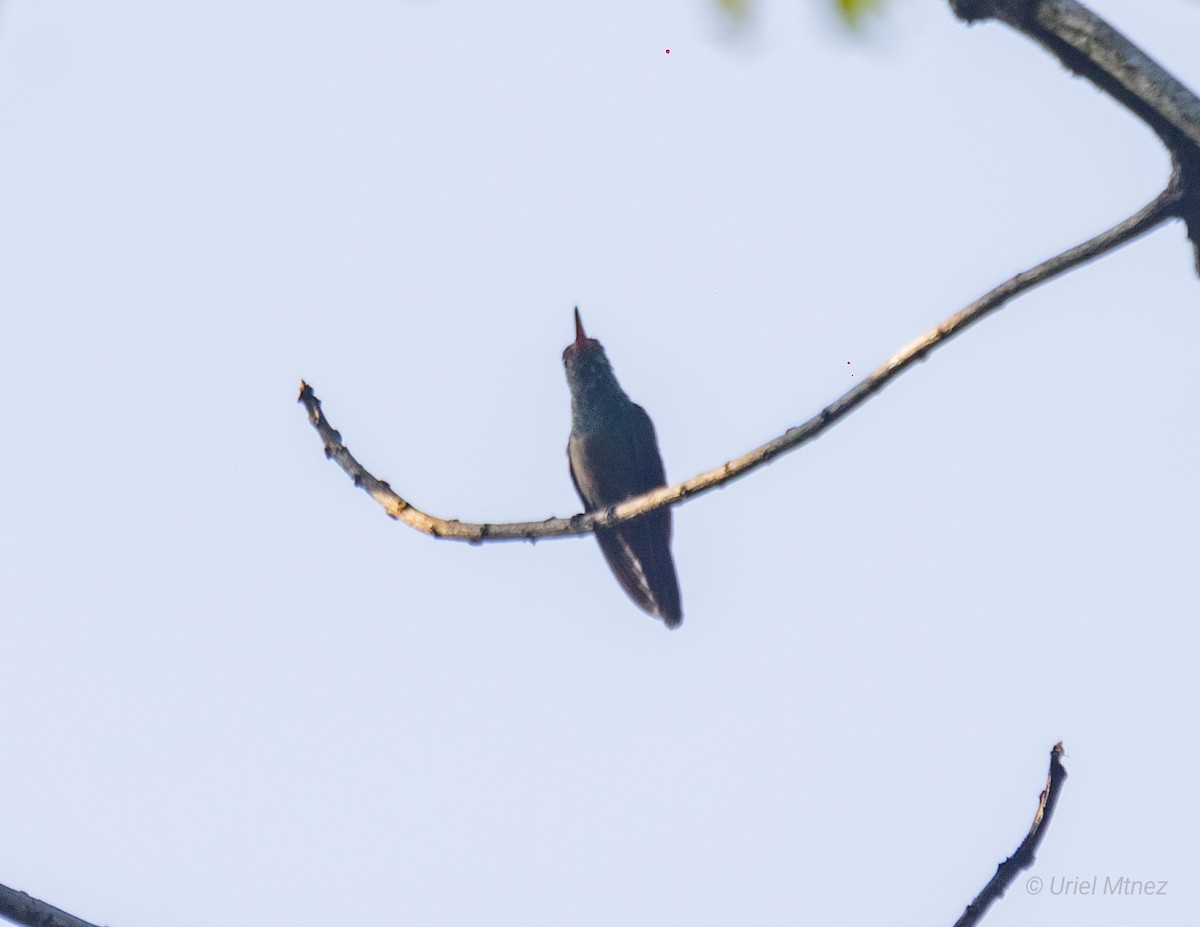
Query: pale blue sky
236	692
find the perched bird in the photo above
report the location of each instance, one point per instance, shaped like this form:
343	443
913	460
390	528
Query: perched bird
614	456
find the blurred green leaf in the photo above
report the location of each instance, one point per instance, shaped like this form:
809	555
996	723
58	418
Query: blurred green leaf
738	9
853	11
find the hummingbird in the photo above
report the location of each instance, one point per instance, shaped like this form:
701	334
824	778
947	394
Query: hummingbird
613	454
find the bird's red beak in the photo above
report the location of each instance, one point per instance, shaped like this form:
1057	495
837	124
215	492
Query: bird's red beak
580	334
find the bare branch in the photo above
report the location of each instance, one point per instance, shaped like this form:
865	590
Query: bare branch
403	510
1023	858
20	908
1090	47
1155	213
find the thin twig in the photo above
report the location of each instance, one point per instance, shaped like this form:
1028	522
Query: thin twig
1023	858
1156	212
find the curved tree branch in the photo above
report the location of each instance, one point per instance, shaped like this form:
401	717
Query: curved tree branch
1090	47
1153	214
1024	856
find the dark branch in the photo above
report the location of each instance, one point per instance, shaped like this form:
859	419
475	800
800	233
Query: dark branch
1090	47
1023	858
22	909
1155	213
